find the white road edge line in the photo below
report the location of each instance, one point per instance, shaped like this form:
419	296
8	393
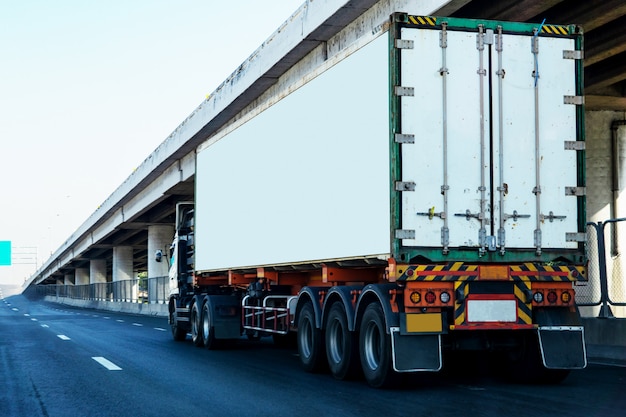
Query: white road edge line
63	337
106	363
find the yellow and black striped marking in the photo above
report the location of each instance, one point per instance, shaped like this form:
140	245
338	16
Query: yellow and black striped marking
454	271
460	287
555	29
423	20
460	271
537	272
524	308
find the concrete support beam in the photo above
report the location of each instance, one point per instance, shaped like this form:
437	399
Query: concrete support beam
122	263
69	279
123	271
98	276
82	276
159	238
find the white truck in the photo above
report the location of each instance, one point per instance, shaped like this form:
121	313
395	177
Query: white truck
422	192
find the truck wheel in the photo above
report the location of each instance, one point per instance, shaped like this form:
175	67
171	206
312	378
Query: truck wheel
208	333
375	348
341	346
196	335
178	333
310	341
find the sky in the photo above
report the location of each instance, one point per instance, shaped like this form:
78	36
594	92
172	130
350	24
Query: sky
88	89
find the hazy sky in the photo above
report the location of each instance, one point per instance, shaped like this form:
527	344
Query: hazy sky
88	89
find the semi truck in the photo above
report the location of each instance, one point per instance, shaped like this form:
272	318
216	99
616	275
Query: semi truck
420	193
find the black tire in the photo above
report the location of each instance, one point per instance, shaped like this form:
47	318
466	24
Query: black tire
208	332
375	348
526	366
310	341
196	333
341	344
178	332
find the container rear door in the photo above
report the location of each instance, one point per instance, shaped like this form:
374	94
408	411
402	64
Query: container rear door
485	160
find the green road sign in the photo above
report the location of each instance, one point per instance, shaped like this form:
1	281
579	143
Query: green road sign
5	252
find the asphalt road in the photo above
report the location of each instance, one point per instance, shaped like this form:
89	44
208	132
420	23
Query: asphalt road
60	361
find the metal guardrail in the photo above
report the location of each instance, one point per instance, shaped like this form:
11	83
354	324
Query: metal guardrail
147	290
605	285
606	273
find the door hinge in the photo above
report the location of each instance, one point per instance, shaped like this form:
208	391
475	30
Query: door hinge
405	234
403	138
404	44
576	191
404	91
405	186
573	55
576	237
575	145
577	100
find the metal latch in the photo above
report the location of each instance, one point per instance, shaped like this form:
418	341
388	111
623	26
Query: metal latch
515	216
551	216
431	213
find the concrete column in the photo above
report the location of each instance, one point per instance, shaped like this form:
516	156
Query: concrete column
98	276
81	276
69	279
122	271
159	238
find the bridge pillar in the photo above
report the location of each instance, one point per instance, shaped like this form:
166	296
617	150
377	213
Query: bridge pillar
98	278
123	271
82	276
159	239
69	279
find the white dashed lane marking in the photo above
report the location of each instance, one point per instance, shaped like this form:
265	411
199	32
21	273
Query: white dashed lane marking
106	363
63	337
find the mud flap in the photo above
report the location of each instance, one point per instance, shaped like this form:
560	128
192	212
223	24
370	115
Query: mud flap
563	347
412	353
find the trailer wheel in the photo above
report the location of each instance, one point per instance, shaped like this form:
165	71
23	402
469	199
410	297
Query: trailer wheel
196	335
178	332
375	348
341	346
208	333
310	341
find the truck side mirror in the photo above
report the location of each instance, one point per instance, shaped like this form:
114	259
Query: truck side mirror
158	255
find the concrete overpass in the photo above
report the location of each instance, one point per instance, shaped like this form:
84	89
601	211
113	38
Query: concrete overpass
119	239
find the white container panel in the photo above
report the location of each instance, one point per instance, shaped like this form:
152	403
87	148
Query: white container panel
421	162
423	116
557	124
307	179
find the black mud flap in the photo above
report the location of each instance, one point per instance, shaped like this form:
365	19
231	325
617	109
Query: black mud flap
412	353
563	347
